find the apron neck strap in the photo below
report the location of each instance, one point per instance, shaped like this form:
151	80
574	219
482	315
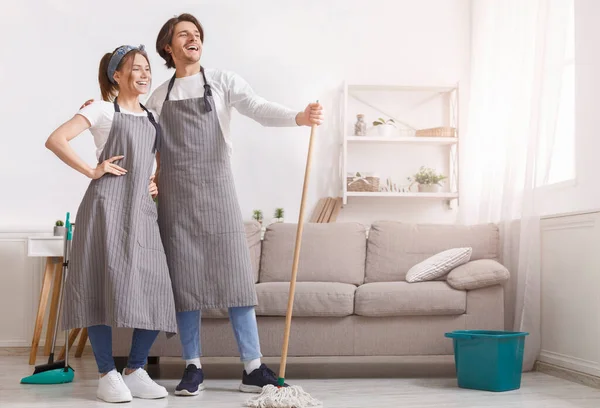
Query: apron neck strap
117	108
207	90
158	139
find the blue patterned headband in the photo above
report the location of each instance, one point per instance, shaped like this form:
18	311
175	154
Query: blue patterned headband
116	58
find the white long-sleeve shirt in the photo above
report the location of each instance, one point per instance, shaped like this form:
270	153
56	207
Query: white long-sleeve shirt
229	91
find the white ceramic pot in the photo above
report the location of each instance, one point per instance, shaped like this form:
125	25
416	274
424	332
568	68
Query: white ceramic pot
429	188
385	130
60	231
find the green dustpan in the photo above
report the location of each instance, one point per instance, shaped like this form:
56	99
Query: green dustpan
56	376
57	372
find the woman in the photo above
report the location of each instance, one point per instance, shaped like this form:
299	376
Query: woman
118	274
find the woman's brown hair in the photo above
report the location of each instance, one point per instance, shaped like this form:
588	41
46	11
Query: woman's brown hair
165	36
107	88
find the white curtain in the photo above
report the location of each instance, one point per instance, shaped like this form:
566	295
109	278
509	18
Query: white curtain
517	60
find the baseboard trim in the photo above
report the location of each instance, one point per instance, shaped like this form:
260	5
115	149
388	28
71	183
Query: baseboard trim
24	351
567	374
300	367
24	343
570	363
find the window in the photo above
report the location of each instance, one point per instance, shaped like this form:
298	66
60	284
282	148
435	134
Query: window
562	160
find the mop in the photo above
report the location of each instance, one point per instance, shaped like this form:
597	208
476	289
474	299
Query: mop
291	396
57	372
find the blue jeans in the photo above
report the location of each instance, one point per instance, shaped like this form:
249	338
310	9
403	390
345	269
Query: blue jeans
101	340
245	329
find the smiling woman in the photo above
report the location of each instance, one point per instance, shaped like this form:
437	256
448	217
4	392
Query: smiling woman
118	272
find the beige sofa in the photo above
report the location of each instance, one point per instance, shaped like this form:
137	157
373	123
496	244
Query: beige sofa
351	295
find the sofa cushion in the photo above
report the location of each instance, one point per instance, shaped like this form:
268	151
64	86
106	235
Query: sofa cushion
394	247
409	299
253	237
310	299
438	265
478	274
330	252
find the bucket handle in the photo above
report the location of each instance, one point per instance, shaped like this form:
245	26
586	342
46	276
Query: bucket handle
463	336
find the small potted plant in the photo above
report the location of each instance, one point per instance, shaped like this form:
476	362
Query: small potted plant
278	215
59	229
258	216
428	180
384	127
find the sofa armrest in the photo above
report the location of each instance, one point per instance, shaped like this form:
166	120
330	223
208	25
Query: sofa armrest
485	308
477	274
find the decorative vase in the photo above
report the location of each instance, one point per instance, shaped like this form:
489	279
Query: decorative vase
360	127
429	188
60	231
385	130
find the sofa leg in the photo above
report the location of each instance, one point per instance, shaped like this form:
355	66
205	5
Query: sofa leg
120	363
154	360
153	367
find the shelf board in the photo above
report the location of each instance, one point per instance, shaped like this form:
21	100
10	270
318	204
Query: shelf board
405	195
411	139
374	87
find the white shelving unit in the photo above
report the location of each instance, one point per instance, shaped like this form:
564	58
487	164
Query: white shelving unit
404	141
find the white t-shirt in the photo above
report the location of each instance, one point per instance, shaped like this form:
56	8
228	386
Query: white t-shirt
229	91
100	115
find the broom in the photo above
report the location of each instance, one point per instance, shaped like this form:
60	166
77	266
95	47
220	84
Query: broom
289	396
56	372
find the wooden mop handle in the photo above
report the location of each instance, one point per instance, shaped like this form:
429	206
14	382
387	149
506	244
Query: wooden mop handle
288	317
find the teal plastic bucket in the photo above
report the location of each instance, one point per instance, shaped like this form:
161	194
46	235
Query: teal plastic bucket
488	360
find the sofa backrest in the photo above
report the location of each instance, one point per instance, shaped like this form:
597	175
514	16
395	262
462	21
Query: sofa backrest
330	252
394	247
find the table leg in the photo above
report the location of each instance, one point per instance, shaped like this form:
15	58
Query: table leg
39	321
82	340
53	306
72	337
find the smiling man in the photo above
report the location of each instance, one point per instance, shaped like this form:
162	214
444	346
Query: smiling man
199	215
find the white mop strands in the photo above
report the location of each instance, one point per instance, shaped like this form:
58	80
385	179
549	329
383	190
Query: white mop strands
285	397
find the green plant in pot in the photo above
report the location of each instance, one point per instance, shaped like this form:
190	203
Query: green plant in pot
258	216
385	127
428	179
59	229
278	215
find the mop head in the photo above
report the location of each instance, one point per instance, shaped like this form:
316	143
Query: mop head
285	397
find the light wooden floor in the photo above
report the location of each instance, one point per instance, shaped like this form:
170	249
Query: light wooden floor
538	391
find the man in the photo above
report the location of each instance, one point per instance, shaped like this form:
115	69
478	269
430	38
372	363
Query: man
199	216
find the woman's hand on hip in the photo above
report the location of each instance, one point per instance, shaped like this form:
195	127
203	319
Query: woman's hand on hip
153	188
108	167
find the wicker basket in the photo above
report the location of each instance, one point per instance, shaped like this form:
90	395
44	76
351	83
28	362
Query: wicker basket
437	132
365	184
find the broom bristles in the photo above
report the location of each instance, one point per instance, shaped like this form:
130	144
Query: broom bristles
285	397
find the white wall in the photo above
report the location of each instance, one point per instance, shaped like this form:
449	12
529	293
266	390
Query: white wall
292	56
571	244
48	68
570	282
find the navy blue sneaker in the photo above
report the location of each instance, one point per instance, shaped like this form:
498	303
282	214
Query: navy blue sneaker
257	379
192	382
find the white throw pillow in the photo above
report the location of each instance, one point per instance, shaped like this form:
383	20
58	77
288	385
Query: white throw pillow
438	265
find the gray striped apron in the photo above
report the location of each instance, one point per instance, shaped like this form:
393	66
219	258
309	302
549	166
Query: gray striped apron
118	274
198	211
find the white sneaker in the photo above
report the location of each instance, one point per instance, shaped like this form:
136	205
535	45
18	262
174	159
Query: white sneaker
142	386
111	388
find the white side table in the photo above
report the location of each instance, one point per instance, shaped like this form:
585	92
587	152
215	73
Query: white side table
51	248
